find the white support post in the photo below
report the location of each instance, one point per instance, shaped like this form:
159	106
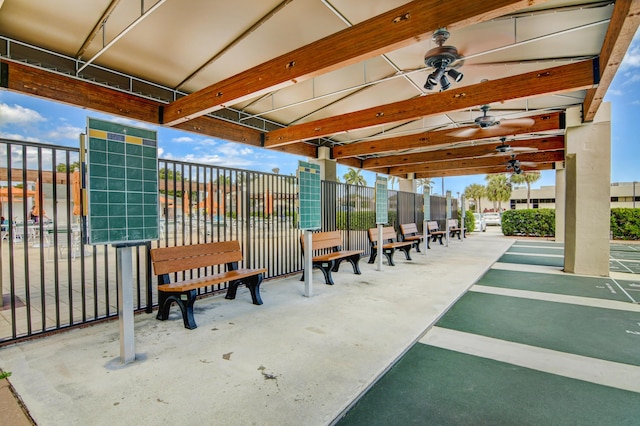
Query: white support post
308	264
380	242
125	303
425	237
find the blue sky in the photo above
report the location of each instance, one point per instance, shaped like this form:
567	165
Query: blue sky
33	119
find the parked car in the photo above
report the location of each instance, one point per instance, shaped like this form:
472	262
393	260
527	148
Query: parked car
481	224
492	219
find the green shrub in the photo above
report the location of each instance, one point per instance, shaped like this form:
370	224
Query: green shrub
529	222
359	220
469	221
625	224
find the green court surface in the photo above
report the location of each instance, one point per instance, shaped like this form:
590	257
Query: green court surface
433	386
532	260
625	266
538	243
607	334
557	251
601	288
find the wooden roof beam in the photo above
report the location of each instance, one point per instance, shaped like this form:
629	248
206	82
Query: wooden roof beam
565	78
474	163
622	27
389	31
479	171
543	122
539	144
37	82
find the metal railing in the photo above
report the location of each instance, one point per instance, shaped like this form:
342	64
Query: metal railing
51	280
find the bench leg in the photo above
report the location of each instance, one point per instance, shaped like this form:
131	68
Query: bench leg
374	254
389	255
252	283
355	260
326	268
417	246
406	251
439	239
184	300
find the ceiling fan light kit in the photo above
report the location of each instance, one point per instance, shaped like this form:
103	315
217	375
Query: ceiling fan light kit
440	58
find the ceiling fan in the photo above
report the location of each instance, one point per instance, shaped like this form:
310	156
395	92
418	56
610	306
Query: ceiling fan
514	165
505	149
442	57
486	125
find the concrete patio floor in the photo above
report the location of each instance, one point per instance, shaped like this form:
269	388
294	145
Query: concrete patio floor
293	360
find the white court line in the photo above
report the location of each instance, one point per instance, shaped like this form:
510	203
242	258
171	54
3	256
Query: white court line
538	269
621	264
601	372
558	298
624	291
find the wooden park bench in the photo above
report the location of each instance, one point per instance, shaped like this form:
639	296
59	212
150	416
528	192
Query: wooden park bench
454	229
389	244
434	233
330	262
409	232
170	260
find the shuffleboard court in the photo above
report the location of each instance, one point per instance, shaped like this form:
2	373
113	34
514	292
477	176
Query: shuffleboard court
600	288
430	385
532	243
554	251
532	259
607	334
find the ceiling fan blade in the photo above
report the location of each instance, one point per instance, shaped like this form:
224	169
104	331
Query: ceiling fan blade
523	149
465	132
517	122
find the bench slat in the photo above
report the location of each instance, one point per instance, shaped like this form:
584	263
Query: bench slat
195	283
335	255
167	260
324	240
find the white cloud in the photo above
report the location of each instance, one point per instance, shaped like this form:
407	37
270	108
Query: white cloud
183	139
13	136
16	114
66	132
615	92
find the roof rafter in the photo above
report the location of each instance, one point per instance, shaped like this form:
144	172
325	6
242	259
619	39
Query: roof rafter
479	171
475	163
543	123
624	23
564	78
539	144
389	31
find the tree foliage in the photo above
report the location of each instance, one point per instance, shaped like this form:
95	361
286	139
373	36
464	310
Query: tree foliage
475	192
528	178
498	188
353	177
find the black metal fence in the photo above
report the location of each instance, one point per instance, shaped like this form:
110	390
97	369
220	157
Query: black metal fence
51	280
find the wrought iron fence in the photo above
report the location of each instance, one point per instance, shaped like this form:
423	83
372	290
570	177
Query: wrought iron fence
51	280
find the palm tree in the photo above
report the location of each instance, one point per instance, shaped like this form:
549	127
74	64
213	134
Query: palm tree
422	182
498	188
475	192
528	178
353	177
392	181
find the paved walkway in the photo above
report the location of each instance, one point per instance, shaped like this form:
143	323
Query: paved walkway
293	360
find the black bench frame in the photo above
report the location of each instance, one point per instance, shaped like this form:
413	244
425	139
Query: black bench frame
170	260
390	244
330	262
